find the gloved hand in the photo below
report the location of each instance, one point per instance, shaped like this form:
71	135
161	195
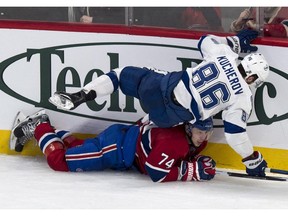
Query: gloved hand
199	169
255	164
241	42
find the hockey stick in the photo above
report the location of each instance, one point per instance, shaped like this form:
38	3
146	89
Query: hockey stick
279	171
244	175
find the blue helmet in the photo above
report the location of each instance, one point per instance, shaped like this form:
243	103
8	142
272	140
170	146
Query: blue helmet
205	125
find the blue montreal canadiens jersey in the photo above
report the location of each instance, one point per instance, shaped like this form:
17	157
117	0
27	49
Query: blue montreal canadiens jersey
217	85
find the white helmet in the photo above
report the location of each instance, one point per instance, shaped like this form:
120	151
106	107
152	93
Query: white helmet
255	64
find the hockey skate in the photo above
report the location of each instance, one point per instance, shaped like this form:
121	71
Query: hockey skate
23	129
66	101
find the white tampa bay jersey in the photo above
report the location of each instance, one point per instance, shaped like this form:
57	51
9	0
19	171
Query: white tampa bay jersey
217	85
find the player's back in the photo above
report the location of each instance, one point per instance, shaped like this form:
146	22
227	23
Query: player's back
217	85
157	144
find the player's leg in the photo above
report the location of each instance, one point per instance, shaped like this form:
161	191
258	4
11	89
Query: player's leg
68	139
101	86
102	152
51	146
131	78
69	101
38	126
127	78
24	130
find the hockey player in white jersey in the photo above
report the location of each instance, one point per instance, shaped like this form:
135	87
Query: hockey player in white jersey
219	83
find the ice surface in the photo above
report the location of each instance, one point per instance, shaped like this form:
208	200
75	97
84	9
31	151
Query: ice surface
28	183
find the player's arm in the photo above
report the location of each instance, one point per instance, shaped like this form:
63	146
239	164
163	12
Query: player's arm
212	44
163	168
235	123
159	172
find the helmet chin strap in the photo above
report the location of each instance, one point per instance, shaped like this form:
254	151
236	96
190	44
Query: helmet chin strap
242	71
189	138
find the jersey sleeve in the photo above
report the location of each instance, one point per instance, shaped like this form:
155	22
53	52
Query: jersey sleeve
169	166
158	174
235	122
211	45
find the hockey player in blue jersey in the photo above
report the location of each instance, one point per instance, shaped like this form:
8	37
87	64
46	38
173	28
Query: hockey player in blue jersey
219	83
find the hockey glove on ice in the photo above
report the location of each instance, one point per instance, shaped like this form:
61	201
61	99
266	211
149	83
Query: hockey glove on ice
255	164
241	42
199	169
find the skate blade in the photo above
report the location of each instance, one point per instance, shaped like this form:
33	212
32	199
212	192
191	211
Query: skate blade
18	119
61	102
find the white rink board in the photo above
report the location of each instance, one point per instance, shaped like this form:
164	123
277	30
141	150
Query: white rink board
83	52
